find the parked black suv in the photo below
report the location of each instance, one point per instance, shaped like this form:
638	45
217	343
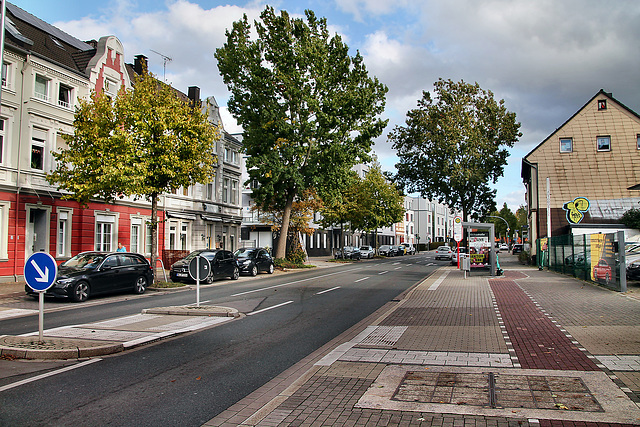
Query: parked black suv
254	260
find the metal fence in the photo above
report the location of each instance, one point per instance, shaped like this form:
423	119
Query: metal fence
591	257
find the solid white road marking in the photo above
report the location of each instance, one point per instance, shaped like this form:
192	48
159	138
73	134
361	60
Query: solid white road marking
269	308
360	280
327	290
48	374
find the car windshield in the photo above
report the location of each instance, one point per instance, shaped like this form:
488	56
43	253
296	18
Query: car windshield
245	253
87	260
202	253
444	248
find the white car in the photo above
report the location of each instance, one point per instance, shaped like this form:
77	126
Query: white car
410	249
504	247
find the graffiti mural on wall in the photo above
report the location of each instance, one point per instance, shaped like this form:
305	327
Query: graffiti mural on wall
576	209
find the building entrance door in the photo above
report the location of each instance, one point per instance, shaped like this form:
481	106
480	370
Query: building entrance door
36	232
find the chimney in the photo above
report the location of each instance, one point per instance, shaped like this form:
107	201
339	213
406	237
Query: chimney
194	96
140	64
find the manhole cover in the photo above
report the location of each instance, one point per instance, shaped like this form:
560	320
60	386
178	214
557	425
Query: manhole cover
492	390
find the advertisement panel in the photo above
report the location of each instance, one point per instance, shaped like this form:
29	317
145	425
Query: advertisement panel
603	258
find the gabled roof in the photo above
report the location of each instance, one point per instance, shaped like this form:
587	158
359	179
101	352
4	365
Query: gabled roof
600	93
31	34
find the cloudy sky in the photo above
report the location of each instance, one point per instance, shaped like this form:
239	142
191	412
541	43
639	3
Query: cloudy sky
545	58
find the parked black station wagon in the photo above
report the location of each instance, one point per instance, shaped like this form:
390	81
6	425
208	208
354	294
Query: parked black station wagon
93	273
223	264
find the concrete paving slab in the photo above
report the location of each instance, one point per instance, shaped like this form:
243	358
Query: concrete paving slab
611	404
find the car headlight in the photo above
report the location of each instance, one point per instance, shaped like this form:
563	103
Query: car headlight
64	282
245	262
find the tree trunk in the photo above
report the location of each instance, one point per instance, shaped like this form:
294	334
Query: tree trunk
154	234
281	249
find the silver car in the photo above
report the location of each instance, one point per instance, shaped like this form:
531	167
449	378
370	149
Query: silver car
444	252
367	252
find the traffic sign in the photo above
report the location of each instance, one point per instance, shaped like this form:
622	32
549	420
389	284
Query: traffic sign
199	265
457	229
40	271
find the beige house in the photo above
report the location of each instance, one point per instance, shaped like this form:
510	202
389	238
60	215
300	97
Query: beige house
582	172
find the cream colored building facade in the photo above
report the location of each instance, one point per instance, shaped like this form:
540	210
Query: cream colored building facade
589	163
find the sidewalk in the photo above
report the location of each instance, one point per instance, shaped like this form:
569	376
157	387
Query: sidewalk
527	348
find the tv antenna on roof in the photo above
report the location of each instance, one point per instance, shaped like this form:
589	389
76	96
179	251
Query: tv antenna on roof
166	59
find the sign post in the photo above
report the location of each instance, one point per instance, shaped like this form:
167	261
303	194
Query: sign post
199	268
457	236
40	273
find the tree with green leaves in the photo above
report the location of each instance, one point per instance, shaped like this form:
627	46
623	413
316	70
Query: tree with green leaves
146	142
501	226
454	145
309	111
380	202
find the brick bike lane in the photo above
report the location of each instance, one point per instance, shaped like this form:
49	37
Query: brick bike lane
537	341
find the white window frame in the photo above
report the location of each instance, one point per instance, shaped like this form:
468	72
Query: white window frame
3	138
39	140
64	232
69	104
225	190
564	143
184	235
140	224
47	87
4	230
104	240
7	75
234	191
110	87
603	138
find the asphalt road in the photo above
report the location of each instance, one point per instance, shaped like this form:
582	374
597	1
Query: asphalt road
190	379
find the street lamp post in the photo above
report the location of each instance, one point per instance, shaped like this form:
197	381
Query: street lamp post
505	221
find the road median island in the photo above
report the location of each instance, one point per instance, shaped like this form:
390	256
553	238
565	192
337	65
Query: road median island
30	347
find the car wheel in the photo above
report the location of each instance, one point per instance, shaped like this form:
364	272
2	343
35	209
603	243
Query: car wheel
271	269
236	273
80	291
254	270
141	285
209	279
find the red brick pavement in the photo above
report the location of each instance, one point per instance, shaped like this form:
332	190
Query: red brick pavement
537	341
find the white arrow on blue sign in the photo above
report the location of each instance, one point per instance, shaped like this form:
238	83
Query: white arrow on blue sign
40	271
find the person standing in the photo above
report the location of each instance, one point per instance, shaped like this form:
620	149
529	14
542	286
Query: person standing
121	248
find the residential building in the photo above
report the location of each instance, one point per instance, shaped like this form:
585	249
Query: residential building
44	73
580	175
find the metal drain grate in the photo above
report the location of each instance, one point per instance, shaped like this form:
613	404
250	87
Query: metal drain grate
492	390
383	336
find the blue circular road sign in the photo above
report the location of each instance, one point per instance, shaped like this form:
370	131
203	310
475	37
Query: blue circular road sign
40	271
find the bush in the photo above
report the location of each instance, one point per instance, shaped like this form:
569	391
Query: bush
524	257
297	257
286	264
631	218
